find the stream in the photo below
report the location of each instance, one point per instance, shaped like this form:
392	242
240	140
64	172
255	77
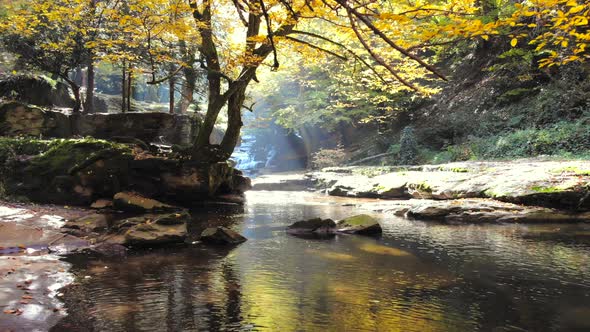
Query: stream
416	277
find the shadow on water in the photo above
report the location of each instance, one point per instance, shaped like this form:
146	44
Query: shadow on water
416	277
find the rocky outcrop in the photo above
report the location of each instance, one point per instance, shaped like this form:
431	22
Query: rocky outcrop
476	210
562	185
19	119
361	224
143	230
78	172
36	90
221	236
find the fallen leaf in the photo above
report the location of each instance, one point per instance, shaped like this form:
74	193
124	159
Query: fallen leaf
24	302
9	311
27	297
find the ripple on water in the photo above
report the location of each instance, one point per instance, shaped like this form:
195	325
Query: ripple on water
416	277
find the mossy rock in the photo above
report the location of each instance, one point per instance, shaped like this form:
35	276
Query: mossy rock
362	224
66	155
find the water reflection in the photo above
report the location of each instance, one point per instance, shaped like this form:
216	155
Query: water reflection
417	277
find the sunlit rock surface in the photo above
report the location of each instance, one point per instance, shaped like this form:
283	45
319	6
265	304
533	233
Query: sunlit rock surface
362	224
283	182
543	183
476	210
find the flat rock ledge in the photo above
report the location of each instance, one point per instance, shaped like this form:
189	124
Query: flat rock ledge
562	185
477	211
142	230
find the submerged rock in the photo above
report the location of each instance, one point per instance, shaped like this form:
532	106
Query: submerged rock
146	229
361	224
153	229
133	202
221	235
313	226
102	204
92	223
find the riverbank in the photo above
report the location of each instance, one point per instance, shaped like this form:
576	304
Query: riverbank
527	190
31	270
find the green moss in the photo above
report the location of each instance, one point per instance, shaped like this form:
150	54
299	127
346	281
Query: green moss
422	187
360	220
459	170
66	154
546	190
572	169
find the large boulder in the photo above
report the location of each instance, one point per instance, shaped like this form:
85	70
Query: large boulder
36	90
17	119
221	235
362	224
313	226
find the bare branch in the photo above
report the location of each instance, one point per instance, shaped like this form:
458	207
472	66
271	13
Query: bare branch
341	57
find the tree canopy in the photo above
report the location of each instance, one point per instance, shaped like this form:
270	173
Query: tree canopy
392	44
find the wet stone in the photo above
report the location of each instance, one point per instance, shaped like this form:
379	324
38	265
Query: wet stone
221	235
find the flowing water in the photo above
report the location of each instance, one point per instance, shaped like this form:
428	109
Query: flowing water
416	277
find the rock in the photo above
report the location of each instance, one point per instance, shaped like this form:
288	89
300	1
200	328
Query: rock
479	211
154	229
36	90
552	184
18	119
282	182
221	235
232	198
92	223
129	201
313	226
361	224
102	204
155	234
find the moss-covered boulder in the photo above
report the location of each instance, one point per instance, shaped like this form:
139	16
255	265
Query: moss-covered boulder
81	171
362	224
36	90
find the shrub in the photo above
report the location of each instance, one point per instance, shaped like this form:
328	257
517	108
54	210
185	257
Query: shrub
408	153
328	158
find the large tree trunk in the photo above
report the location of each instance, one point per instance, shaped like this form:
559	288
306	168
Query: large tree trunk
214	106
124	89
89	104
172	82
188	89
234	122
129	88
76	90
